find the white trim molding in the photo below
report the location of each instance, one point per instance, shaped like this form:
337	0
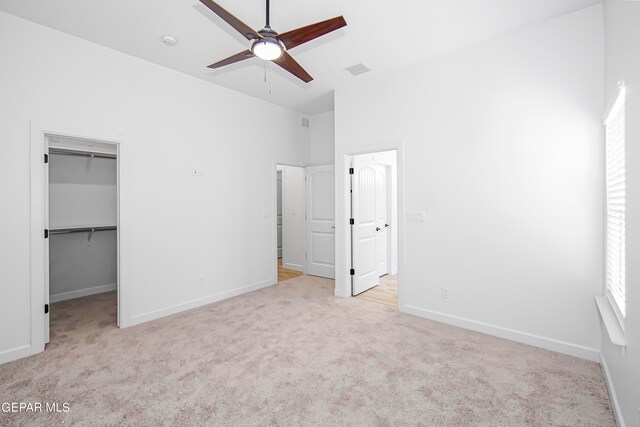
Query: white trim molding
16	353
63	296
617	412
611	321
199	302
295	267
546	343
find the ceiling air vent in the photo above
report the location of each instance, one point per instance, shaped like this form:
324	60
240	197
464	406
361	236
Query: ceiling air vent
305	122
357	69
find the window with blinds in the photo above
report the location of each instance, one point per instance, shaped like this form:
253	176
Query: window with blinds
616	201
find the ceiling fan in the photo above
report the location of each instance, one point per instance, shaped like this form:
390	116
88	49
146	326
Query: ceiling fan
268	45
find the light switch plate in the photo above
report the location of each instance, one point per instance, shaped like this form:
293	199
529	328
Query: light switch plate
416	216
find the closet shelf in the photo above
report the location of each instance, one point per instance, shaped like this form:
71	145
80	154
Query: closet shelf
81	229
65	152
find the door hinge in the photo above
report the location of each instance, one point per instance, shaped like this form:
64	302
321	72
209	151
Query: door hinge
46	158
352	272
350	171
46	233
46	309
352	221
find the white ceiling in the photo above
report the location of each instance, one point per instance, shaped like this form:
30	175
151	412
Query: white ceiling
383	35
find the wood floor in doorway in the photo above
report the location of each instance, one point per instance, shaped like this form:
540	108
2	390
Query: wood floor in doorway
385	293
285	273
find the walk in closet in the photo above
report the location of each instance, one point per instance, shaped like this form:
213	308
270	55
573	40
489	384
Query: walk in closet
82	218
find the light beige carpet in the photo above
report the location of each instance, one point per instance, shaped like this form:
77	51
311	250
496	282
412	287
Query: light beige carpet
295	355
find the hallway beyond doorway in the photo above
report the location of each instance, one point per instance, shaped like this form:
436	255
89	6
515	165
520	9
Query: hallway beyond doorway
285	273
385	293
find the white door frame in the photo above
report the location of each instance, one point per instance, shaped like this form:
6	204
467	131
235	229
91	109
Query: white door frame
39	222
279	241
384	169
390	217
343	211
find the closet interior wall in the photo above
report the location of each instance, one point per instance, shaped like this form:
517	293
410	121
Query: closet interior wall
82	193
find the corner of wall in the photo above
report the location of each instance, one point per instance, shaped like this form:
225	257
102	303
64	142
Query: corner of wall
617	411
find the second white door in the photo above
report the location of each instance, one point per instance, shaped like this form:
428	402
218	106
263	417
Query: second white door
320	221
363	211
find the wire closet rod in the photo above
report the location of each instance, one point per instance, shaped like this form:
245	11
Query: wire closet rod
81	229
64	152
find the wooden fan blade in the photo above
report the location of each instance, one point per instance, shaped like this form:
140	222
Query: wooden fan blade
232	59
237	24
302	35
290	64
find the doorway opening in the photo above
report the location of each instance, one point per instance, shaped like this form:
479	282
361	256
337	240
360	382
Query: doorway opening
374	231
305	221
290	183
81	234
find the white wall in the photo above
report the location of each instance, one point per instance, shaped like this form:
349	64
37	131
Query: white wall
622	33
81	267
79	197
500	146
82	192
176	227
293	223
322	139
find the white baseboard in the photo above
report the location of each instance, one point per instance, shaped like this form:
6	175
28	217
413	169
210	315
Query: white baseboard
617	412
341	293
19	352
178	308
62	296
558	346
295	267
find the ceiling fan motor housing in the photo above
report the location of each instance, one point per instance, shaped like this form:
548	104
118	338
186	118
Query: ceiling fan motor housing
269	47
267	31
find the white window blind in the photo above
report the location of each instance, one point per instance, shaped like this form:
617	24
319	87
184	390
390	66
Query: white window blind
616	201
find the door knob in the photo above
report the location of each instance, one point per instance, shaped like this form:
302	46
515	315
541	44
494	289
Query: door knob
386	225
377	228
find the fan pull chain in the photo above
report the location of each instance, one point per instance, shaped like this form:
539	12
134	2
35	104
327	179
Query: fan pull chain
267	81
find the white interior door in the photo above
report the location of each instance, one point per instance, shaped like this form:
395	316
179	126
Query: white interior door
320	224
381	220
363	210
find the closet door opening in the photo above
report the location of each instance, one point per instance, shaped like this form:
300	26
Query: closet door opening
81	245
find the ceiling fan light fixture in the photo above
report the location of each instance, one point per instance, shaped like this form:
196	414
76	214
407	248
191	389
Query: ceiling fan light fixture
267	48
